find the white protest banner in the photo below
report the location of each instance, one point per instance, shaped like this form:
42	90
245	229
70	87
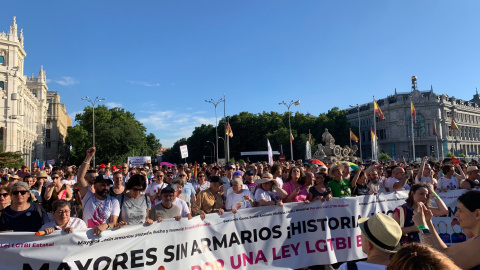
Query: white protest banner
184	151
448	227
289	237
138	161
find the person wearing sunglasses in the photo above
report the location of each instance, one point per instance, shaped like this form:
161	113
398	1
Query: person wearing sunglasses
5	198
22	216
135	206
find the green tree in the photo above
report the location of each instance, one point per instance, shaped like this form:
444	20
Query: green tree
118	135
11	159
450	155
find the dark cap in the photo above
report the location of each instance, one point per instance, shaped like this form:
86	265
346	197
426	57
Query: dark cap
215	168
216	179
103	178
169	189
227	167
249	172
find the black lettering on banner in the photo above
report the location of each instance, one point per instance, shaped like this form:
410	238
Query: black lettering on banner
96	265
205	243
312	227
322	223
246	236
195	248
169	253
183	251
120	260
45	266
345	222
276	232
149	254
333	227
217	244
234	239
268	233
81	267
134	258
63	266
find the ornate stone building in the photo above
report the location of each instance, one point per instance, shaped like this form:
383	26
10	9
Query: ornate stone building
394	133
24	103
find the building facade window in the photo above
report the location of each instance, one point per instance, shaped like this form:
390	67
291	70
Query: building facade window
2	85
2	60
47	133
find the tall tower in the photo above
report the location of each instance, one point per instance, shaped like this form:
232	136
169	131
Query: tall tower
414	83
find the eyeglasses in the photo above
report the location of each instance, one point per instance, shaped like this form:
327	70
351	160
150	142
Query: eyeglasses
182	175
4	194
16	192
55	177
63	212
160	175
124	167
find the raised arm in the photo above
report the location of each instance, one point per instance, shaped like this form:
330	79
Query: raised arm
82	170
420	172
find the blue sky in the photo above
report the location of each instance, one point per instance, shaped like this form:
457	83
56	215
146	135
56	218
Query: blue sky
162	59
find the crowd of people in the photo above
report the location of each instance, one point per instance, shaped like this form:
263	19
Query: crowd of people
106	197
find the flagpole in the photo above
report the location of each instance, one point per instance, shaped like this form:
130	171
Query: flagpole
439	128
413	134
374	141
438	150
350	135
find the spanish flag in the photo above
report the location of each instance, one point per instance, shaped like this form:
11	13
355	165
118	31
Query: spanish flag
454	125
435	128
291	138
229	131
414	112
377	110
353	137
372	134
296	103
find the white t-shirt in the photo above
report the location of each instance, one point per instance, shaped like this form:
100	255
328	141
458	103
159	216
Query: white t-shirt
426	180
364	266
74	222
279	181
389	182
96	212
134	211
230	190
184	209
201	187
446	183
261	194
236	201
155	188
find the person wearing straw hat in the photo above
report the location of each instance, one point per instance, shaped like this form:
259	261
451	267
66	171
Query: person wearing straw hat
268	193
380	238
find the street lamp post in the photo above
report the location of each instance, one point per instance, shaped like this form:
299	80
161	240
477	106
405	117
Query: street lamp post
359	130
213	146
215	104
94	102
289	124
224	148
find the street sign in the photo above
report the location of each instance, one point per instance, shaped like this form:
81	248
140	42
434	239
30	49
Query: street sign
281	158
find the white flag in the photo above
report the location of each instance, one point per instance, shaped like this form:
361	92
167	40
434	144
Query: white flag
308	151
270	153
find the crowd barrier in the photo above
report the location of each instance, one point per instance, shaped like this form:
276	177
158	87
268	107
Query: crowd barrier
293	236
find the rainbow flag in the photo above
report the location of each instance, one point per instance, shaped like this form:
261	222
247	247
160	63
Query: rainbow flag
195	171
414	112
377	109
353	137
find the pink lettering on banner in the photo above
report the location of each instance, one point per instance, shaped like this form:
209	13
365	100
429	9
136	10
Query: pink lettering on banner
216	265
359	240
247	259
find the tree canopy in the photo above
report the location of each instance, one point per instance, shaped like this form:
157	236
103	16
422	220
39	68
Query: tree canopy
118	135
252	130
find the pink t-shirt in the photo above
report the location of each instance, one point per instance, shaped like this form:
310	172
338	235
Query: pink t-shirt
301	196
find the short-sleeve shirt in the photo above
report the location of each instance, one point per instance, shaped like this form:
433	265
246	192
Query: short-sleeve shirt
28	220
188	189
134	211
96	212
208	202
159	211
340	188
155	188
261	194
183	206
301	196
446	183
236	201
74	222
201	187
